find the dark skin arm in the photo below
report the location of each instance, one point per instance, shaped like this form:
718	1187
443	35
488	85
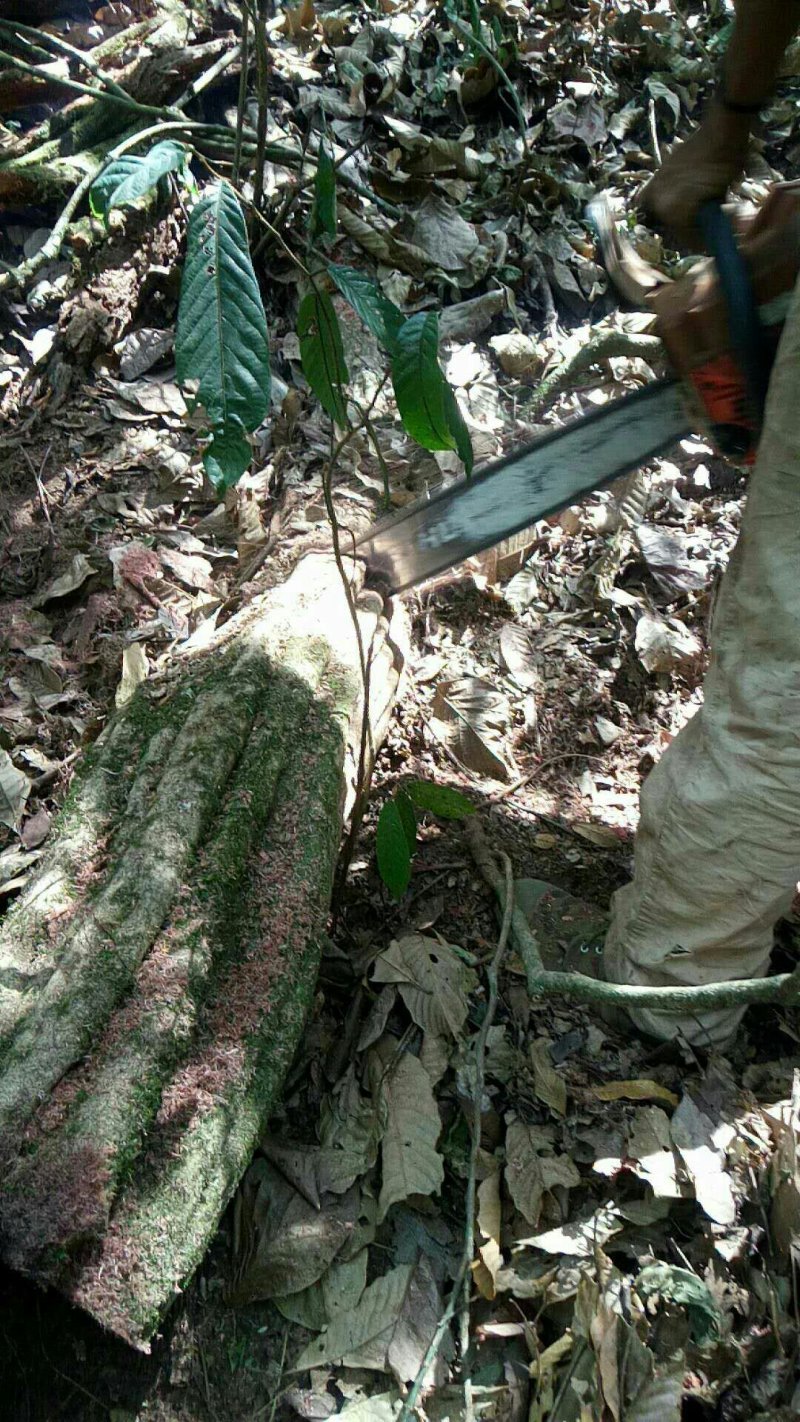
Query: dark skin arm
706	165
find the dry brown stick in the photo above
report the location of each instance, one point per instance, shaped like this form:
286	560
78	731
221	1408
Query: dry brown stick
492	975
537	770
783	988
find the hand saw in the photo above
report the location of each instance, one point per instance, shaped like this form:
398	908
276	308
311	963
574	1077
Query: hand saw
720	326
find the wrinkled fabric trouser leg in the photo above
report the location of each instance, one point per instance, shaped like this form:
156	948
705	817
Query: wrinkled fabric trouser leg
717	852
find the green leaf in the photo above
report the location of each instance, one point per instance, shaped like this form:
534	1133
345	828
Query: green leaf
419	385
458	429
439	800
221	340
391	847
226	458
323	216
166	157
682	1287
408	818
379	314
109	180
322	353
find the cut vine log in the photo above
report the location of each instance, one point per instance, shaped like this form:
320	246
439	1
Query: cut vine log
603	345
544	982
155	976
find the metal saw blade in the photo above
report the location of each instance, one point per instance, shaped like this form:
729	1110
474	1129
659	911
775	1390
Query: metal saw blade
556	470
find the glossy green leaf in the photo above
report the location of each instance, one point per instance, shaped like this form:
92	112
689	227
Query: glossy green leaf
391	847
323	216
106	184
221	342
409	819
419	385
322	353
458	429
379	314
439	800
130	177
163	158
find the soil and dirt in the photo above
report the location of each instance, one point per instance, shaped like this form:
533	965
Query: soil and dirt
544	682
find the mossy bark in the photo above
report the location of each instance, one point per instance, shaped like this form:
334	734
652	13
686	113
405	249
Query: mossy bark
155	976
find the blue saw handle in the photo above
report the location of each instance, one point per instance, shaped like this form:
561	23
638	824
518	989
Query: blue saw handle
744	323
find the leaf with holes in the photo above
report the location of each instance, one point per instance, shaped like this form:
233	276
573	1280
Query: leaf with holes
323	215
379	314
432	980
392	849
439	800
221	344
322	354
410	1162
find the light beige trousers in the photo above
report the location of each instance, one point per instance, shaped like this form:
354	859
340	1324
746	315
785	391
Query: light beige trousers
717	852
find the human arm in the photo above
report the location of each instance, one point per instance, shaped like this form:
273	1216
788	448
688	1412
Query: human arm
706	165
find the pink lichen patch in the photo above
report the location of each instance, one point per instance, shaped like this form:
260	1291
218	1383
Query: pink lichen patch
101	1286
56	1203
290	911
160	985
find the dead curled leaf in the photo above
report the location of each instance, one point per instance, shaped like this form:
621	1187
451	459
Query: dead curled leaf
549	1085
641	1089
470	716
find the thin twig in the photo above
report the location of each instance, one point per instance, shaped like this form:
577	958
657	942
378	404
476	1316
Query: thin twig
37	474
410	1399
366	748
492	59
651	114
784	988
240	107
537	770
460	1293
492	975
262	89
198	85
121	99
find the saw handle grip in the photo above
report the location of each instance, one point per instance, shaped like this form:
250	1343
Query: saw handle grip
747	336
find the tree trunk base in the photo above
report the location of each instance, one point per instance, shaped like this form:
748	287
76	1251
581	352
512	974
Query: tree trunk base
156	974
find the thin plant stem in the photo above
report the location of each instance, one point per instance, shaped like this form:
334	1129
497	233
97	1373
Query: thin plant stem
262	86
237	152
492	976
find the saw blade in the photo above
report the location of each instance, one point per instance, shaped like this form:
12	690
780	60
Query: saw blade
514	492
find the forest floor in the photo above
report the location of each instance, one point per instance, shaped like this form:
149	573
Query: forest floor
638	1204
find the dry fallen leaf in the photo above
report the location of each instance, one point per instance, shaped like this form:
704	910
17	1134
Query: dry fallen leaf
638	1090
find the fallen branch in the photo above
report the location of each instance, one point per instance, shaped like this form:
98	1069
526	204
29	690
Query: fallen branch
783	988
